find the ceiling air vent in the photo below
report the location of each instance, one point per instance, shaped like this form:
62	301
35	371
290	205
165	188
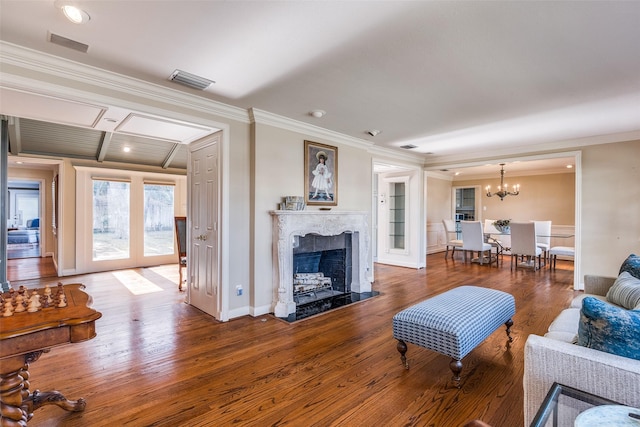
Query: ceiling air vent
65	42
191	80
408	146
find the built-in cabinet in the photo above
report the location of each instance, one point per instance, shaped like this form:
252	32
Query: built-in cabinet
397	215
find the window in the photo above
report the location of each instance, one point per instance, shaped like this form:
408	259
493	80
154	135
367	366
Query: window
158	219
110	220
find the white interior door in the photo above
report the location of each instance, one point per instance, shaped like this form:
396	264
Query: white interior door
203	221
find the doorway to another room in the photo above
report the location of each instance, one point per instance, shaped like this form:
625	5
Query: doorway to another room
24	219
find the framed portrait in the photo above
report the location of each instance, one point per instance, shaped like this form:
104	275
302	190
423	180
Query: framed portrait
320	174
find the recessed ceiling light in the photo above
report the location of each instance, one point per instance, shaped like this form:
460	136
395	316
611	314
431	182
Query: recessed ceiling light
317	113
73	13
126	149
569	166
19	163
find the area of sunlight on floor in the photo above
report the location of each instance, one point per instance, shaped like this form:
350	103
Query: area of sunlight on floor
135	283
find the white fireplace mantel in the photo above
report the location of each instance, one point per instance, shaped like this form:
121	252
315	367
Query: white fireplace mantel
289	224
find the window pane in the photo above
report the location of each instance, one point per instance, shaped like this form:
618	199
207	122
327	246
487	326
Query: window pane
110	220
158	220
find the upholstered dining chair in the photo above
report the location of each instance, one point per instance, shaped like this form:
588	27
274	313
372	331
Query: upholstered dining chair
450	228
523	243
543	238
565	251
473	241
181	240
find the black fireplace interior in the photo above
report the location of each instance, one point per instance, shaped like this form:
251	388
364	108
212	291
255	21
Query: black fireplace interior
332	256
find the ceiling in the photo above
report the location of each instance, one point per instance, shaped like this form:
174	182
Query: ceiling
453	78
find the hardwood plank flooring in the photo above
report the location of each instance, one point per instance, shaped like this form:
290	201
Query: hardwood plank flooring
157	361
20	269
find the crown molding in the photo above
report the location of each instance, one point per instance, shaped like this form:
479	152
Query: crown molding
281	122
517	152
61	68
271	119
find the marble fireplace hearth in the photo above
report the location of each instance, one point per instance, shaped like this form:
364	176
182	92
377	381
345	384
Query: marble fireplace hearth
290	226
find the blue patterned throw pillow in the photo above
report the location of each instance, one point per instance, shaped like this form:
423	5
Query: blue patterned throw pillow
608	328
632	265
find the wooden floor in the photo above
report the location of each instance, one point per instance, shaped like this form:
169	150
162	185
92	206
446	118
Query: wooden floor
157	361
20	269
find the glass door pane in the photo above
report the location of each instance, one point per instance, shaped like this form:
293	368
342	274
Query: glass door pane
397	215
158	220
110	220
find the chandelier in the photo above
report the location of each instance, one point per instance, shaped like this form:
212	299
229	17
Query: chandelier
503	189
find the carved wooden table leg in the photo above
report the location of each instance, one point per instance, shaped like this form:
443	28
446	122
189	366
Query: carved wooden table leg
37	399
17	402
11	385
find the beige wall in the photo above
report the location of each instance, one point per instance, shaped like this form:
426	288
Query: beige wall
279	171
610	206
438	199
542	197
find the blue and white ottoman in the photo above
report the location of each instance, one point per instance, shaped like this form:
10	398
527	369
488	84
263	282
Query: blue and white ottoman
454	322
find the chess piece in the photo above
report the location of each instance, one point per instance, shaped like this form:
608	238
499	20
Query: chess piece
62	302
34	302
47	301
19	304
8	309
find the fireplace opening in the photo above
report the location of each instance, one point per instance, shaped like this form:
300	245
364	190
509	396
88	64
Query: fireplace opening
322	274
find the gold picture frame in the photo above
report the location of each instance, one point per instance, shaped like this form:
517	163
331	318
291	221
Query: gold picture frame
320	174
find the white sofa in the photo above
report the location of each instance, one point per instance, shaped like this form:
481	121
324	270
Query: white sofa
554	358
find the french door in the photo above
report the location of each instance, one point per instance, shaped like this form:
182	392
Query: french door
126	219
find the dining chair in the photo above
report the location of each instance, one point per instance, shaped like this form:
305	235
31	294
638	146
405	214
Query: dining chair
567	251
523	243
543	238
181	240
450	228
473	241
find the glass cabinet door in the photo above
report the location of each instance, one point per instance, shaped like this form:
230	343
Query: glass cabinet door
397	215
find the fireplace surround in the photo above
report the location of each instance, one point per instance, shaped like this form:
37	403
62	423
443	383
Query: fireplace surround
289	226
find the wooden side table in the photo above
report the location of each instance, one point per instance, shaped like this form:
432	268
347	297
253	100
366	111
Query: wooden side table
24	337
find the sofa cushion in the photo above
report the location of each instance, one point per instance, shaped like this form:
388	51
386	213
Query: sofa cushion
625	291
632	265
609	328
566	321
577	301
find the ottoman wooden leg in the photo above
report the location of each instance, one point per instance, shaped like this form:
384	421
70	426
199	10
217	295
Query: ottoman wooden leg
456	368
509	324
402	348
